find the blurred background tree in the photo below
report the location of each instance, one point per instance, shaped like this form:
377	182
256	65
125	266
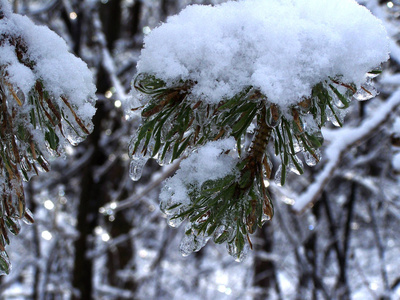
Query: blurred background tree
100	235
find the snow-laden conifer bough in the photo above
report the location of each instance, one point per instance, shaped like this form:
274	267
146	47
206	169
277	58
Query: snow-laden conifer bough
47	100
226	85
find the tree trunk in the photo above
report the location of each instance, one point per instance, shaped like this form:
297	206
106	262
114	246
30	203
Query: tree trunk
91	199
265	276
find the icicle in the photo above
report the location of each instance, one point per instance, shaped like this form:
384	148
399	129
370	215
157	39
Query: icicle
312	160
278	176
233	251
366	91
136	167
292	166
173	221
192	243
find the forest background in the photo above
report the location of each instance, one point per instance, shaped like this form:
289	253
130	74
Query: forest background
98	234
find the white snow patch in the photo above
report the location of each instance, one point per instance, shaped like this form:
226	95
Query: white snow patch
62	73
18	75
396	161
208	163
396	126
282	47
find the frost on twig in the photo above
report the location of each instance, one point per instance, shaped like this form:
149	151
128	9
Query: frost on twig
227	85
341	141
47	99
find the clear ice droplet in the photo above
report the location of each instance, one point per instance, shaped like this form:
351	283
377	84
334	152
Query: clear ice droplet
336	101
13	225
273	116
136	167
71	135
233	251
28	217
218	232
334	120
297	146
166	159
187	245
174	222
292	166
192	243
366	92
312	160
375	72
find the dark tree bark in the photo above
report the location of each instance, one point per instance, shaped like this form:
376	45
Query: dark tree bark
265	276
110	14
135	12
91	198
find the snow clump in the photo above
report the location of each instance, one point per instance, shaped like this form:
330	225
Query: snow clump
62	73
208	163
282	47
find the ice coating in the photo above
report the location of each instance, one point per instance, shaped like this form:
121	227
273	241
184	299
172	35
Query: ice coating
5	8
47	97
282	47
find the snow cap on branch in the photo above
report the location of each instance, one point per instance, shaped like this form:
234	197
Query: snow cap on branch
46	58
208	163
282	47
47	99
5	8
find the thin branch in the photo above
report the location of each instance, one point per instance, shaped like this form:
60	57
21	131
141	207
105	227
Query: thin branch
168	171
341	141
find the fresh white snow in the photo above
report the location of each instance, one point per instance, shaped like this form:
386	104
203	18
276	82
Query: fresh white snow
208	163
61	72
282	47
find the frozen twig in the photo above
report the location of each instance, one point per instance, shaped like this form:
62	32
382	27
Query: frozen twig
152	185
341	141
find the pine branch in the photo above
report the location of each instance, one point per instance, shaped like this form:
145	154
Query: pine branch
340	142
35	123
230	208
